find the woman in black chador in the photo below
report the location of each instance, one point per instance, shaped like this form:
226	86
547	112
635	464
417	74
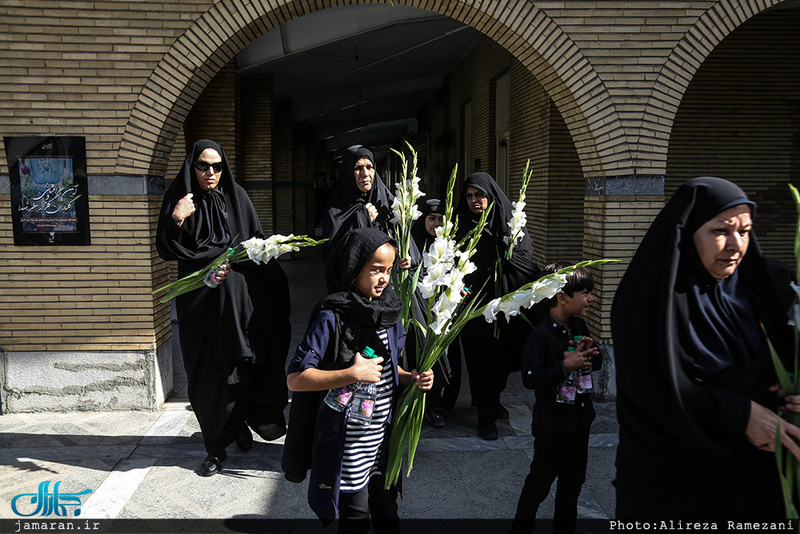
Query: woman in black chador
359	198
489	359
234	337
696	402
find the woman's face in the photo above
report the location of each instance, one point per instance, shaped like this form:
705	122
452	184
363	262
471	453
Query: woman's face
211	161
376	274
722	241
365	173
432	222
476	200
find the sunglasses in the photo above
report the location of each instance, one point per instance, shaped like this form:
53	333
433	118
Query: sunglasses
203	166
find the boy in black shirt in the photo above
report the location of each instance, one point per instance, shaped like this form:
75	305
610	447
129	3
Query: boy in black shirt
552	360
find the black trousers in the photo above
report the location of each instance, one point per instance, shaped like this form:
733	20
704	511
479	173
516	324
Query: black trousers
557	455
373	505
488	362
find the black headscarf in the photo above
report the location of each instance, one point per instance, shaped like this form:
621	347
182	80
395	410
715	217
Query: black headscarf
345	210
419	233
689	350
346	261
517	271
202	237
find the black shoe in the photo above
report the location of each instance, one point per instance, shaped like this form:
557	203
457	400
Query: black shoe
488	430
434	418
501	413
210	466
244	439
269	431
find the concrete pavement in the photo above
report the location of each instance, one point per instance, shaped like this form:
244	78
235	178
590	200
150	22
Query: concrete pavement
144	465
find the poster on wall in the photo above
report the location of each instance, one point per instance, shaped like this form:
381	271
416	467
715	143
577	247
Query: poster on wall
49	196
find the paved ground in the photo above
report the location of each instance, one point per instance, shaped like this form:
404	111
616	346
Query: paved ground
144	465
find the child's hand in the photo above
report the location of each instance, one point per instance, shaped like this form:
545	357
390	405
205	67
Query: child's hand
423	381
366	369
574	360
405	263
586	344
579	358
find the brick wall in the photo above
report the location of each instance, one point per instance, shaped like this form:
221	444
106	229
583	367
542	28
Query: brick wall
745	99
139	80
214	116
255	140
85	297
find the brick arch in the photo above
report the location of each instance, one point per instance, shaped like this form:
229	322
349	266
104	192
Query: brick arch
517	25
679	69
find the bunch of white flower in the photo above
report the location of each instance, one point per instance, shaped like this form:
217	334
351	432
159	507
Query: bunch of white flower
517	221
404	206
525	297
445	268
263	250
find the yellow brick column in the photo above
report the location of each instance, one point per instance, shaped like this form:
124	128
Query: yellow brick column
619	211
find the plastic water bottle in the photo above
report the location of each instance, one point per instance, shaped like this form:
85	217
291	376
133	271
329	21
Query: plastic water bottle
584	382
567	390
339	399
364	397
211	279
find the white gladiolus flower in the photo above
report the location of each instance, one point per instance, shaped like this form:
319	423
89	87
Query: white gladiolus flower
427	288
511	305
442	250
397	210
490	312
438	325
454	279
445	229
262	250
436	273
546	289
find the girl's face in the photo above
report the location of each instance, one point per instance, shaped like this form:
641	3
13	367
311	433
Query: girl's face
432	222
376	274
476	200
365	173
722	242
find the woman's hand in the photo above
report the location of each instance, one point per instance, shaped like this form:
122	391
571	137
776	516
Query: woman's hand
405	263
223	271
372	210
184	208
423	381
366	369
762	427
790	402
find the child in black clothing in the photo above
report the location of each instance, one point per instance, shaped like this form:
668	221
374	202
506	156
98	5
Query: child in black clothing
553	356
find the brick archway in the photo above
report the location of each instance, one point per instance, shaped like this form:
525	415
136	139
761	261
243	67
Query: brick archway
225	29
680	68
